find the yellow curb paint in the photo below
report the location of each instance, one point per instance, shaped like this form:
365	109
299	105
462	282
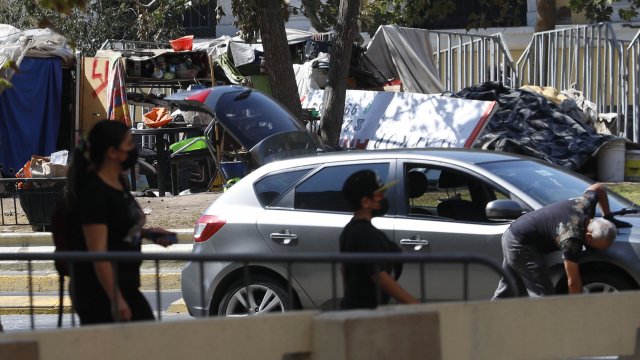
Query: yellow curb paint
177	307
49	282
41	305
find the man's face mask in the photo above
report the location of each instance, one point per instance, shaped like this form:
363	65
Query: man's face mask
384	207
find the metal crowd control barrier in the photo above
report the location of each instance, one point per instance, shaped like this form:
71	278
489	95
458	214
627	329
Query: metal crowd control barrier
29	201
247	259
631	52
584	58
469	59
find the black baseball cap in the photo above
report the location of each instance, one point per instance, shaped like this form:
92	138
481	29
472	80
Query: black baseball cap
363	183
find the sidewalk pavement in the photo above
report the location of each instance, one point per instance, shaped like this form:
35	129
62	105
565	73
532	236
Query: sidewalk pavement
44	281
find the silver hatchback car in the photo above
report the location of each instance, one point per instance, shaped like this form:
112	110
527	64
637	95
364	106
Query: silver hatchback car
296	206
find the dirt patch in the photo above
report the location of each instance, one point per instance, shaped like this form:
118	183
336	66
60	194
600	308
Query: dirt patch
172	212
175	212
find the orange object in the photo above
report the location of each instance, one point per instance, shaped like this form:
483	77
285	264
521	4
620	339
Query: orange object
25	172
184	43
157	117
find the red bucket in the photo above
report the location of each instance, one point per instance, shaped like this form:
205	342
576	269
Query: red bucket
184	43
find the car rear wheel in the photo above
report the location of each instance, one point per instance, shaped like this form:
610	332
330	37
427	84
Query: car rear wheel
260	295
604	283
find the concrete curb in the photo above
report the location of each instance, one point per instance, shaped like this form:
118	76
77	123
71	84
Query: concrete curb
19	305
178	307
44	283
26	239
47	265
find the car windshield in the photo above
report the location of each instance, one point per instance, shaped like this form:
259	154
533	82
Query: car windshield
547	184
251	116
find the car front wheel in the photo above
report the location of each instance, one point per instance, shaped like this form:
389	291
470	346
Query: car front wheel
260	295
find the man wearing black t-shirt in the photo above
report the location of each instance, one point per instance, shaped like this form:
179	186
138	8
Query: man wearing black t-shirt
566	226
365	194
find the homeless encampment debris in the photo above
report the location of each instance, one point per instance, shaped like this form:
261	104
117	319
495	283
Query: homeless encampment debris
404	54
32	112
527	123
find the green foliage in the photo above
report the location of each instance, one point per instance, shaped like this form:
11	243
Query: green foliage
601	10
4	83
594	10
429	14
321	15
62	6
87	24
403	13
246	19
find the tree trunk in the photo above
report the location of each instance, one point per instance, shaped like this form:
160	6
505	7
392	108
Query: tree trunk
339	61
546	15
278	57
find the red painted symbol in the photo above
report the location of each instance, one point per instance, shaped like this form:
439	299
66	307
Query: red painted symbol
103	77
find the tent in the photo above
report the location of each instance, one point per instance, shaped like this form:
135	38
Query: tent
232	53
405	54
30	110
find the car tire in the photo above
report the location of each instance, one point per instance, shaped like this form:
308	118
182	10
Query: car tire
265	296
605	282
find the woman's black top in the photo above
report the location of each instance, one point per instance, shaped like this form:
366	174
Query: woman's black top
99	203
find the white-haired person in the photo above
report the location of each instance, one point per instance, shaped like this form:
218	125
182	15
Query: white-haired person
568	226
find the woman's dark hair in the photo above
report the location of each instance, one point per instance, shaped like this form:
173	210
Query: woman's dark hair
89	154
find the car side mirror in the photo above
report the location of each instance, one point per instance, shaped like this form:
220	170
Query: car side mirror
503	210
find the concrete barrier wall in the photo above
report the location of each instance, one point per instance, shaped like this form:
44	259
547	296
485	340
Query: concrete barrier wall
268	337
558	327
545	328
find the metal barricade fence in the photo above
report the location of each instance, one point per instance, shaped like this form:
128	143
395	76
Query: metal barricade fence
631	52
469	59
584	58
465	260
29	201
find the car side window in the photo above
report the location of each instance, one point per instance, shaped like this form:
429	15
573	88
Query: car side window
447	193
269	188
323	190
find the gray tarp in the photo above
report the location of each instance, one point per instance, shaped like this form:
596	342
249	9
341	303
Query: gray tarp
404	53
243	53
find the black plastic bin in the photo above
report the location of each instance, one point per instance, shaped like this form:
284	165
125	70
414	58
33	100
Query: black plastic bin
38	198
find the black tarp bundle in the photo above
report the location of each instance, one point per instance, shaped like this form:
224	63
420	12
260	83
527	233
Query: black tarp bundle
527	123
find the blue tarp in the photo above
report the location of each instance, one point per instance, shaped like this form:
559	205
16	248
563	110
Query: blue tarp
30	113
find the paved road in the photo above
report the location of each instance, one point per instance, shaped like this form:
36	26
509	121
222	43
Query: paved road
21	323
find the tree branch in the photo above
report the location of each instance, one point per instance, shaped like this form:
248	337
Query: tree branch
145	6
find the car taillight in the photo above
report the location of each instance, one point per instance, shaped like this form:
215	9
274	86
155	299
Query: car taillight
206	227
200	96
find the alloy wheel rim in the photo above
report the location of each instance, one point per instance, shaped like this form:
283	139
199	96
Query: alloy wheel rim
599	287
260	300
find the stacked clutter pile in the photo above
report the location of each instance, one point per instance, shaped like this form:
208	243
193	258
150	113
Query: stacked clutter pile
44	180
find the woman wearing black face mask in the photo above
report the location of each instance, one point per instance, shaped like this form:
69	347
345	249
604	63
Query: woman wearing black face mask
107	218
366	195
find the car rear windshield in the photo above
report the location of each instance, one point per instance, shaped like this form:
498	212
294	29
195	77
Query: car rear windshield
271	187
547	184
251	116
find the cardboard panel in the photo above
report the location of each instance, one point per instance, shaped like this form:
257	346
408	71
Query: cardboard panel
93	91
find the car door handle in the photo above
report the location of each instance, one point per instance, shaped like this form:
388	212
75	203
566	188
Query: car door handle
286	238
414	242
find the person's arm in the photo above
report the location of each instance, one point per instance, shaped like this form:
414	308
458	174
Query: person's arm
603	199
96	239
391	287
159	236
574	280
